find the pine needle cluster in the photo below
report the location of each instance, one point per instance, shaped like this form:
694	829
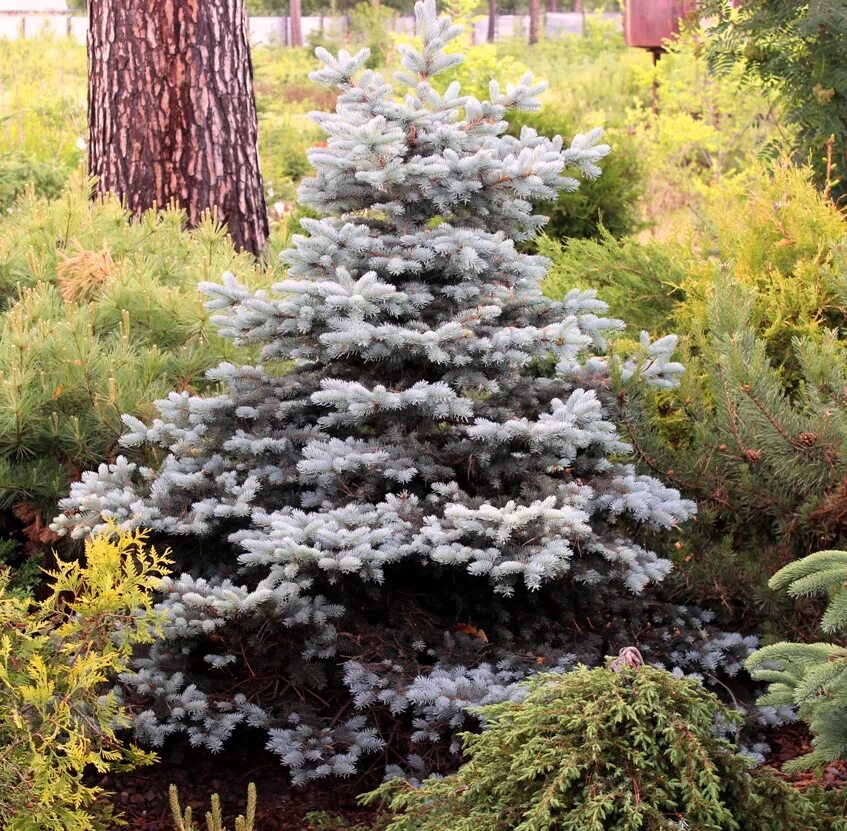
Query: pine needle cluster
812	676
100	318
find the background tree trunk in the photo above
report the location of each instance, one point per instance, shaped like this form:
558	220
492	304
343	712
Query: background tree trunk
295	13
552	6
492	21
534	15
576	5
171	110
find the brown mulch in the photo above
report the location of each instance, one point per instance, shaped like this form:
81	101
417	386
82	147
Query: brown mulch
140	797
793	740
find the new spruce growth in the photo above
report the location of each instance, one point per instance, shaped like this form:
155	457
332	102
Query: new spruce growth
419	496
184	818
812	676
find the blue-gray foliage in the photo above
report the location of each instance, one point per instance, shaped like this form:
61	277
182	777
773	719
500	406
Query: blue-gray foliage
419	497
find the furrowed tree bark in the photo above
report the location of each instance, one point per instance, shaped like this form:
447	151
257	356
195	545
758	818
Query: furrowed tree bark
172	112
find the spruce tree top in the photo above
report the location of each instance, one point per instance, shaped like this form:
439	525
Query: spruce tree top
440	423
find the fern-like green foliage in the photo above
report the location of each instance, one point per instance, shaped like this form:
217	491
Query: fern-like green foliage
57	659
812	676
597	750
799	50
100	317
184	818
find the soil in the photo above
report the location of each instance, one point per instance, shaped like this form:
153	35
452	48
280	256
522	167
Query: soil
793	740
140	797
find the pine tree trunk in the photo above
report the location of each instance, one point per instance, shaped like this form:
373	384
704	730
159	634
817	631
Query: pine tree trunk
576	5
492	21
171	110
552	6
296	15
534	15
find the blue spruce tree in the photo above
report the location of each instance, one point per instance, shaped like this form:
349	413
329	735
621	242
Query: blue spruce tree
417	498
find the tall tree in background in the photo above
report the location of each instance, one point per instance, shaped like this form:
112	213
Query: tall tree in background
492	21
172	114
295	13
534	15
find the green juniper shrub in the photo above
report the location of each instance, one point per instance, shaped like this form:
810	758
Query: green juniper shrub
812	676
640	280
598	750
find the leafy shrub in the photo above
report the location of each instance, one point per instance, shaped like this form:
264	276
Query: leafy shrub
812	677
610	202
43	100
101	318
597	750
369	28
703	131
18	172
797	50
56	659
405	523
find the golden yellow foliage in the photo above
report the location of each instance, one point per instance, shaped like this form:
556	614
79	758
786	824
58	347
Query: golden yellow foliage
57	657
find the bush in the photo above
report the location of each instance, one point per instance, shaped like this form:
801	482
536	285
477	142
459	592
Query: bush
812	677
597	750
19	172
43	101
797	50
101	317
610	202
57	658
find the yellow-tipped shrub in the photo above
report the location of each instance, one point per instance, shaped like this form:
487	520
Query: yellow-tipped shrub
57	657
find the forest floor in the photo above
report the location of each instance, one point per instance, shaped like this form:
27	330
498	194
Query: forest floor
141	796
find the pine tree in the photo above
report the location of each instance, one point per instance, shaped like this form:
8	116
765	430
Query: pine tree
812	676
418	497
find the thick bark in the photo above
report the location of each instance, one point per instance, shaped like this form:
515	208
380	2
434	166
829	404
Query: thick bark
534	16
172	114
295	14
492	21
